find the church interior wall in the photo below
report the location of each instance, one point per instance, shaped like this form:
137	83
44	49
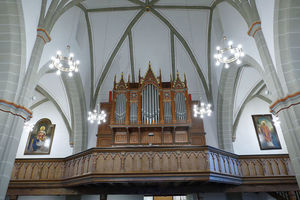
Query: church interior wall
246	140
60	145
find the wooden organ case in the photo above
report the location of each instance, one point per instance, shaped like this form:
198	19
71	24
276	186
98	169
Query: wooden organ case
150	112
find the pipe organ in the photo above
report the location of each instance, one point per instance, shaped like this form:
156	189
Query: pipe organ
150	112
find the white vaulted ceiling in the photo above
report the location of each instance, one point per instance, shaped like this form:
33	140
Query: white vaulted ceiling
119	27
151	40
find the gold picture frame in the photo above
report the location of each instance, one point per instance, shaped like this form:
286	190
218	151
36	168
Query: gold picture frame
40	139
266	132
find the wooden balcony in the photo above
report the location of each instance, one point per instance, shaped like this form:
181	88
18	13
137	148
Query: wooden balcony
134	167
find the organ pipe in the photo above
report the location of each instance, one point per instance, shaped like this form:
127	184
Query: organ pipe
150	104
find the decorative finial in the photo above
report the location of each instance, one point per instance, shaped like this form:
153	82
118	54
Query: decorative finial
128	78
150	64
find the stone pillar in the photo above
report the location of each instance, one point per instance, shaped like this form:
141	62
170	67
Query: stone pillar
12	114
287	35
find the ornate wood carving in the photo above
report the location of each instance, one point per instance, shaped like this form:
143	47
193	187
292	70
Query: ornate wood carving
177	132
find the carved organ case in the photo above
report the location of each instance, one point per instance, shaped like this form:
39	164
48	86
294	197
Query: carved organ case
150	112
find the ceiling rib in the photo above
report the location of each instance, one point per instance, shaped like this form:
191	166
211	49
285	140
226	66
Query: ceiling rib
209	53
172	54
248	98
38	103
153	2
137	2
114	9
48	96
189	51
112	56
131	56
89	29
181	7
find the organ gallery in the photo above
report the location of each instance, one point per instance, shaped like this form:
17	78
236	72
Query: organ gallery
150	112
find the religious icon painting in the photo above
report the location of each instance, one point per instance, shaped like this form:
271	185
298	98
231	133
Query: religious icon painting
266	132
40	139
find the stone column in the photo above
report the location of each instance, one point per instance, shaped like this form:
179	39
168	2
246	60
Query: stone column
287	35
12	114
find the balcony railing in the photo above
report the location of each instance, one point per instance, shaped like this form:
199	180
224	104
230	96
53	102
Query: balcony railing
158	163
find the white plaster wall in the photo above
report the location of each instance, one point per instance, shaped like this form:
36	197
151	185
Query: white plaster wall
92	138
60	144
246	140
210	128
125	197
41	198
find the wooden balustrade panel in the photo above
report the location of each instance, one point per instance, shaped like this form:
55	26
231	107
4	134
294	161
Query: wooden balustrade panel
146	161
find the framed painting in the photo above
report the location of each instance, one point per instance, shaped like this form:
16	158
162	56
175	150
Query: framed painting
40	139
266	132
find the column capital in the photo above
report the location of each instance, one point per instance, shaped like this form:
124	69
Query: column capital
43	34
285	103
14	109
254	27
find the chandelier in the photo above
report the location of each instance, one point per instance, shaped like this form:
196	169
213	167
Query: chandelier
202	109
28	126
97	115
64	63
229	54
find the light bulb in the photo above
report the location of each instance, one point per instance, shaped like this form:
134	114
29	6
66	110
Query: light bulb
225	59
58	53
242	54
58	72
226	66
232	51
209	105
217	63
51	66
71	55
239	46
218	48
238	61
52	58
195	115
76	69
230	43
70	74
77	62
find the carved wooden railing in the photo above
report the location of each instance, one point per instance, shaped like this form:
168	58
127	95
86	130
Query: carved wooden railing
100	165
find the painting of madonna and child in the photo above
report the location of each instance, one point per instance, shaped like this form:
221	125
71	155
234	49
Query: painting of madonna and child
40	138
266	132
